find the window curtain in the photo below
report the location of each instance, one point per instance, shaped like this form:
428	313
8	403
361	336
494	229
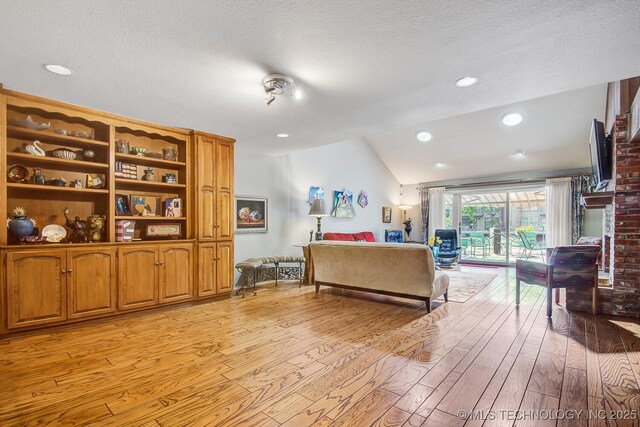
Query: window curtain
436	210
558	212
424	211
579	185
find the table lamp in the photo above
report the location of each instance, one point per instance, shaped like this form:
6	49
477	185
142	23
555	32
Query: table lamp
318	210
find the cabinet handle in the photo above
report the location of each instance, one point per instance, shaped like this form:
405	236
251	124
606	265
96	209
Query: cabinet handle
161	263
157	263
69	271
217	226
64	271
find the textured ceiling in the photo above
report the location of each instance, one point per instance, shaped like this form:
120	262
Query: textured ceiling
366	67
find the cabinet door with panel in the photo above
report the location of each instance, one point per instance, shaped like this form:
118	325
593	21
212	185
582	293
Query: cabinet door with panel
138	277
91	282
224	267
206	270
224	190
176	273
206	149
36	288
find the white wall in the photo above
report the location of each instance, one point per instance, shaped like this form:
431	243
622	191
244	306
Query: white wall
285	180
259	175
353	165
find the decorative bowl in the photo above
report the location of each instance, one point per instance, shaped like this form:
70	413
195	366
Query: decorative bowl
30	124
33	240
139	151
80	134
63	153
18	173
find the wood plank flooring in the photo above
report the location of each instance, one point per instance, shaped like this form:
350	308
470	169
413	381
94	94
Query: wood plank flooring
291	357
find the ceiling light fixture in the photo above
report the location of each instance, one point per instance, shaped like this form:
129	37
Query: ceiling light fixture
466	81
440	165
283	135
512	119
279	84
423	136
520	153
58	69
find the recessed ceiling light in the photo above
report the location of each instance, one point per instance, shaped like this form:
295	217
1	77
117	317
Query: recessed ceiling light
423	136
298	94
58	69
440	165
519	153
466	81
283	135
512	119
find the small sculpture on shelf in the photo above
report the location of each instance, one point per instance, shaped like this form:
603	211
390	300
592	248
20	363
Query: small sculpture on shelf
170	153
88	154
149	174
38	178
78	227
96	227
58	182
34	149
76	183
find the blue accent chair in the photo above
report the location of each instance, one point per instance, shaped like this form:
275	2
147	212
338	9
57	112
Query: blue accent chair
449	251
393	236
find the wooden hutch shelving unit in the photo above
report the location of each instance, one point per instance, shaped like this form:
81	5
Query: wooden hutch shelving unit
55	284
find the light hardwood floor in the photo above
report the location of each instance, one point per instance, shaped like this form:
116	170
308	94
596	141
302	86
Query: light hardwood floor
290	357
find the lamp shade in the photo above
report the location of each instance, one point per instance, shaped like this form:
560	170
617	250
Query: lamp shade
318	208
404	207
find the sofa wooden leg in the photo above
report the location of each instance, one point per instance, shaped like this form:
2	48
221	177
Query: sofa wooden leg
594	301
428	303
446	296
517	292
557	295
317	287
549	300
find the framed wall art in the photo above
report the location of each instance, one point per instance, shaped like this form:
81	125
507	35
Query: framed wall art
251	214
386	214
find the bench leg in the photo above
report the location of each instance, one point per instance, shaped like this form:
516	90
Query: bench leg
549	300
517	292
428	303
446	296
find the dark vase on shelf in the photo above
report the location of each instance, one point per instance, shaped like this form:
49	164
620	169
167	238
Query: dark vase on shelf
20	226
407	229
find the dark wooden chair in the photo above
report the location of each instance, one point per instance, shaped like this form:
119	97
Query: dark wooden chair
567	267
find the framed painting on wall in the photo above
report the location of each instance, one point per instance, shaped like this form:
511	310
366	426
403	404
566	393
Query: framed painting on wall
386	214
251	214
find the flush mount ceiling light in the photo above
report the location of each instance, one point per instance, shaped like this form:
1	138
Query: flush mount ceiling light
519	154
423	136
283	135
512	119
466	81
58	69
279	84
440	165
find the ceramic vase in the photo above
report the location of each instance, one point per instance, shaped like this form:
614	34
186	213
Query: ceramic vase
407	229
20	226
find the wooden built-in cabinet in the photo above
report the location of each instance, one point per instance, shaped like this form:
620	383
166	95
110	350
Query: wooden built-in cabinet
214	198
60	283
52	286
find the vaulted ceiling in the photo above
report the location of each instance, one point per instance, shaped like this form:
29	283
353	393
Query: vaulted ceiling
373	69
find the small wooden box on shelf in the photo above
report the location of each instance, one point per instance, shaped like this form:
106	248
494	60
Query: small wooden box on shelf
78	162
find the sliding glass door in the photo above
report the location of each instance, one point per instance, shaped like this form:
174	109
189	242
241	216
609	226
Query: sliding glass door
498	226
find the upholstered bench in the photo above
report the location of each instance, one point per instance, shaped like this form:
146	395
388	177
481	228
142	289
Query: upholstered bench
250	269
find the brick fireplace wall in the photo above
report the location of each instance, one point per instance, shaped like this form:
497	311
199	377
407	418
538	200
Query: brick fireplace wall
625	298
622	232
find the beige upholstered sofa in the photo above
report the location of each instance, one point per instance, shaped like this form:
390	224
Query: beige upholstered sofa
397	269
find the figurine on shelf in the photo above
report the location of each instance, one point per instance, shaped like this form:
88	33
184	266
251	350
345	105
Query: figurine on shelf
170	153
149	174
96	227
38	178
79	233
89	154
76	183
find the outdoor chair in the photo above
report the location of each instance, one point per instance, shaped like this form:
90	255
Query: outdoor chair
530	244
449	251
477	239
568	267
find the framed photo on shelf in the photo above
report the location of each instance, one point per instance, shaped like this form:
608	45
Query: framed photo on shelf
386	214
122	205
251	214
96	180
145	205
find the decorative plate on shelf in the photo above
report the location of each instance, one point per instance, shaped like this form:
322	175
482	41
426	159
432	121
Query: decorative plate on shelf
54	233
18	173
